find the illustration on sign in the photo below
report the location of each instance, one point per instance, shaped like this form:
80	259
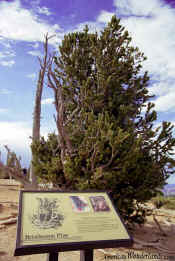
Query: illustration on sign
47	215
99	203
79	204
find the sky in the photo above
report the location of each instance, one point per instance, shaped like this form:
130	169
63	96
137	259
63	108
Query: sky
24	23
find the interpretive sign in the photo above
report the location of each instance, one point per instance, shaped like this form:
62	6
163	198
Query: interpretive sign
52	221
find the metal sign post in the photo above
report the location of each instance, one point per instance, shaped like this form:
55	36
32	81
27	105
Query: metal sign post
86	255
52	257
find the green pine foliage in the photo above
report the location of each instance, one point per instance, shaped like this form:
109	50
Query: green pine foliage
115	144
47	160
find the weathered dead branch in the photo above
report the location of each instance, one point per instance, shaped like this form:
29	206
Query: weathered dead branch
63	137
8	221
44	63
3	218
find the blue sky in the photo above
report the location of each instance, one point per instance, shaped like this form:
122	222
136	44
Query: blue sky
23	25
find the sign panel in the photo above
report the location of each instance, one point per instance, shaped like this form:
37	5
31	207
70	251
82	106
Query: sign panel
65	218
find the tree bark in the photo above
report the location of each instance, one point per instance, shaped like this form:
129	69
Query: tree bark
63	137
37	108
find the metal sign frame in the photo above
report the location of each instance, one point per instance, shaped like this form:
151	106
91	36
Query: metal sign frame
67	246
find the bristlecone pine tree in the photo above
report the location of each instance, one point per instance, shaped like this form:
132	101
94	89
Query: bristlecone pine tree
105	141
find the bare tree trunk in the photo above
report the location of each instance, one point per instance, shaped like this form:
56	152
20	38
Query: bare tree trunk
63	137
36	121
37	108
8	156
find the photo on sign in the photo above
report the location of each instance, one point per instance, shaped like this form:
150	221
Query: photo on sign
47	215
99	203
79	204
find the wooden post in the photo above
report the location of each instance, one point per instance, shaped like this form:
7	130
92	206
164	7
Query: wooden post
86	255
52	256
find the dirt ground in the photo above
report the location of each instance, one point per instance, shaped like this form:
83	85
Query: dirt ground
150	243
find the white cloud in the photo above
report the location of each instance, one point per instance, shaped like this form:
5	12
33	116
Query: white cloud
32	76
25	25
135	7
47	101
43	10
3	110
171	179
166	102
104	16
5	91
5	42
7	63
160	88
15	134
7	54
35	53
154	36
35	45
